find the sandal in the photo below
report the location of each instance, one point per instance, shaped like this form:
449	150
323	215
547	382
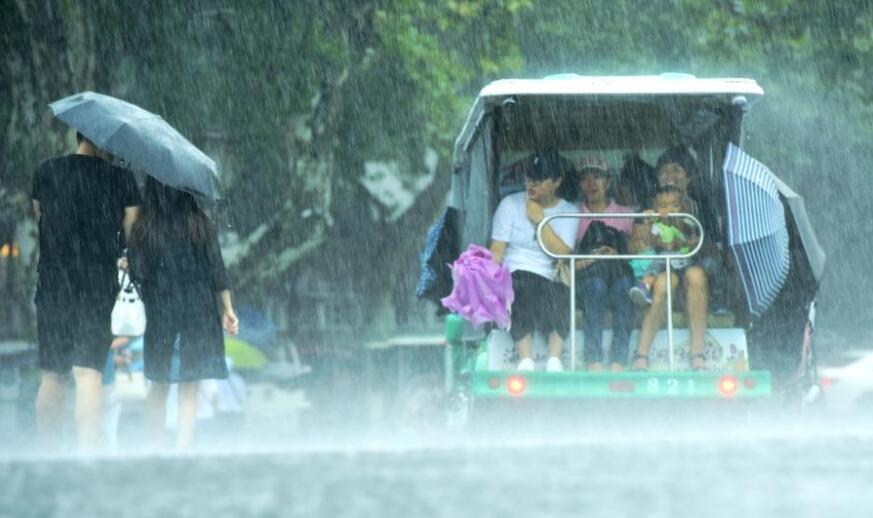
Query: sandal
645	363
697	356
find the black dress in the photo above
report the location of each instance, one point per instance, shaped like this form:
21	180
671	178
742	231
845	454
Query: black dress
184	340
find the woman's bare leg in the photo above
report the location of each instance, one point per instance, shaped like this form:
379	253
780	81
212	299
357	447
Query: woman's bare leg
89	408
50	409
156	415
556	344
697	308
654	318
187	420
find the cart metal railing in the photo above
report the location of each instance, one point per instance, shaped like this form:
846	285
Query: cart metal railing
660	257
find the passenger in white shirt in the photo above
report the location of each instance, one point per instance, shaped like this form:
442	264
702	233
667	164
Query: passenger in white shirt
541	304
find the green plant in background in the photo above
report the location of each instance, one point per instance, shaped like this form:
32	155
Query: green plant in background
294	98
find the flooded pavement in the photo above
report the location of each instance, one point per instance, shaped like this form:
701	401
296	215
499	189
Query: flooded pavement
798	471
766	460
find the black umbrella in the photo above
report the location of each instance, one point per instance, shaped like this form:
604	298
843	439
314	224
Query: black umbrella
813	252
142	139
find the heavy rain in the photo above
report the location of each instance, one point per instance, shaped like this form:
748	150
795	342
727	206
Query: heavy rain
305	258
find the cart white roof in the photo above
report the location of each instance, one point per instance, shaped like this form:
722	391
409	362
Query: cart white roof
664	84
670	84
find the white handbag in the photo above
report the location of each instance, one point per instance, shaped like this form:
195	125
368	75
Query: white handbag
128	314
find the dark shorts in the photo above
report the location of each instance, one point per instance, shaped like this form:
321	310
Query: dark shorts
73	321
540	305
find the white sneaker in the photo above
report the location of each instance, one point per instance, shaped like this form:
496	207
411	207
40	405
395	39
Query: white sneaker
526	364
553	364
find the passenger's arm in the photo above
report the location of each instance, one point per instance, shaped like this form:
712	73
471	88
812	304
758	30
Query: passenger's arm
37	212
498	249
130	215
501	230
581	264
640	238
554	244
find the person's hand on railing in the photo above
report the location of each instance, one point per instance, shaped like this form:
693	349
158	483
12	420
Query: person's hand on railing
652	216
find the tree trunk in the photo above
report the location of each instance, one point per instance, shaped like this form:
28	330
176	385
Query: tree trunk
50	54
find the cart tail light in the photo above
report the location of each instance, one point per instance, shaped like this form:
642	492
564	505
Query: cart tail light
728	386
622	386
516	385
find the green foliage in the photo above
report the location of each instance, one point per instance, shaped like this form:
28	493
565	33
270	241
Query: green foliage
293	97
813	60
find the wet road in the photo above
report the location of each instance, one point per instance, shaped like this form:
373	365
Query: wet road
772	462
796	471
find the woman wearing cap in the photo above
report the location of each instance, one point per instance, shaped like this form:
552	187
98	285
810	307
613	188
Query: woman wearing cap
601	283
674	168
541	304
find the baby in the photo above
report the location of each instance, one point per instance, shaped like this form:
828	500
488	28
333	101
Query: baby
669	235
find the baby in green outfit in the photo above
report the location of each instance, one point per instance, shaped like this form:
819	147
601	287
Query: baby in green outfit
669	235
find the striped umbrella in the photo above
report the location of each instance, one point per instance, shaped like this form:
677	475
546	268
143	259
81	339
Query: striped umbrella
757	231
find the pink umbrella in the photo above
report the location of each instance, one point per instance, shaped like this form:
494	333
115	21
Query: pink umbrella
482	290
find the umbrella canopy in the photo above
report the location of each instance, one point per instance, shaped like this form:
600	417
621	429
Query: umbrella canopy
815	254
142	139
243	354
482	290
757	231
